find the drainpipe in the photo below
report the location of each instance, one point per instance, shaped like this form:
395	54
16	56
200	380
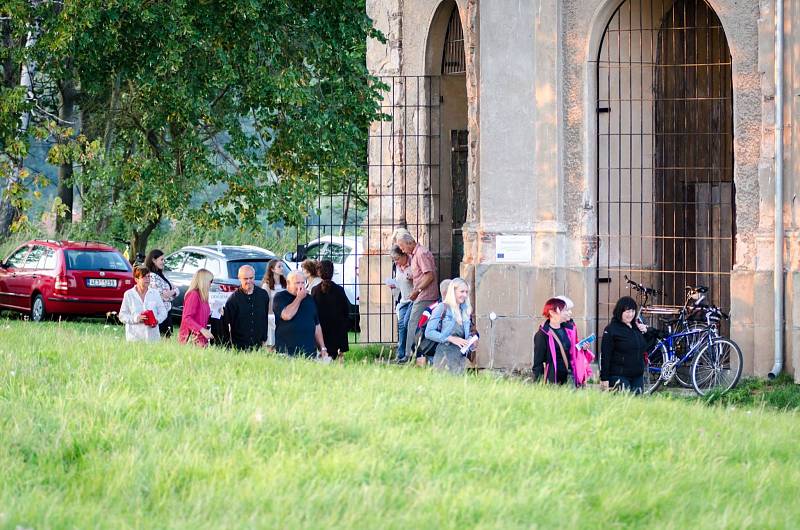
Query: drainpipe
778	272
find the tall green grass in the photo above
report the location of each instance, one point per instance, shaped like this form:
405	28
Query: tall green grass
97	433
780	393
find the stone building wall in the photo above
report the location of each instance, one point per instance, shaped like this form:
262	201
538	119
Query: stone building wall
531	94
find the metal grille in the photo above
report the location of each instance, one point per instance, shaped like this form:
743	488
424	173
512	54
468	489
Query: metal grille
401	188
665	206
453	59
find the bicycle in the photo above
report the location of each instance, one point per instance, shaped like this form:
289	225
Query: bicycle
713	362
663	313
716	362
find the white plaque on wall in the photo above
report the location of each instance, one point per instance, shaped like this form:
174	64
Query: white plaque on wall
513	249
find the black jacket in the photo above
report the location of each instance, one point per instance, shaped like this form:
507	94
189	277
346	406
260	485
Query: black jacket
245	318
622	350
333	308
542	356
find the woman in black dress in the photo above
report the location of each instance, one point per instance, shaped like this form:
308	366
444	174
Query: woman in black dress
333	308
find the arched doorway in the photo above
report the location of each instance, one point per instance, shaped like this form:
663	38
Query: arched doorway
446	58
665	193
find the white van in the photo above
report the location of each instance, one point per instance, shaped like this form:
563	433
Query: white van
344	252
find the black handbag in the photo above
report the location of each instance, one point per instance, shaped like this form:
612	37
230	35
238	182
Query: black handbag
424	345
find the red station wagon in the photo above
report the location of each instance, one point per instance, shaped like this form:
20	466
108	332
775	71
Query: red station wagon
64	277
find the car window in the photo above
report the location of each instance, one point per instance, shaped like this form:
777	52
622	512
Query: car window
174	262
337	253
194	261
36	253
17	259
213	266
48	261
315	251
259	265
96	260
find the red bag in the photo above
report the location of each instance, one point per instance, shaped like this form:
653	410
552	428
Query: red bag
149	318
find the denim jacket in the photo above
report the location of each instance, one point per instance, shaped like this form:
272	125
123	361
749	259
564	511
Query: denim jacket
444	315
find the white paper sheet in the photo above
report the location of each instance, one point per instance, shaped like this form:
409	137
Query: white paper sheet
472	340
217	299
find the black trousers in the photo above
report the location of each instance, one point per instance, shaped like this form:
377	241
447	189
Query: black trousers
165	328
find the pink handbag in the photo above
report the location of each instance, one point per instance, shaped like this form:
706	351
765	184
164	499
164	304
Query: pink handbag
582	366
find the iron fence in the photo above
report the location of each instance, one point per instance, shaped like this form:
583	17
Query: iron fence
400	187
665	192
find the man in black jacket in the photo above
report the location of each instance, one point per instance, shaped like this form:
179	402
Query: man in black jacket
245	315
623	348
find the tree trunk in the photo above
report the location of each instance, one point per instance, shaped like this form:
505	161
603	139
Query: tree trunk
8	212
11	70
66	112
113	109
346	207
139	240
108	143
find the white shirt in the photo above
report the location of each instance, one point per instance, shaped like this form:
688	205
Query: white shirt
270	313
133	306
404	284
313	283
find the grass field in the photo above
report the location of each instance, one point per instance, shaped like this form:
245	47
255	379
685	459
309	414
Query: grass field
96	433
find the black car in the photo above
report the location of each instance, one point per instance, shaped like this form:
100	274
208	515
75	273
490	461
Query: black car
222	260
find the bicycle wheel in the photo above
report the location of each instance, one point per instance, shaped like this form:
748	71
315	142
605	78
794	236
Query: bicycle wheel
684	344
652	368
718	366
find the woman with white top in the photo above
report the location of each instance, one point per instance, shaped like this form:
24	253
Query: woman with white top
310	268
136	302
161	284
274	282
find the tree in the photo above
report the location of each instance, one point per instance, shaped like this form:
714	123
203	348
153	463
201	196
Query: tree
33	42
14	109
256	99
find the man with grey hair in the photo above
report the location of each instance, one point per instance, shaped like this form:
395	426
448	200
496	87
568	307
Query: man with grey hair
423	277
297	328
245	315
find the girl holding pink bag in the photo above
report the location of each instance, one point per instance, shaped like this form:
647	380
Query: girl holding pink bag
556	354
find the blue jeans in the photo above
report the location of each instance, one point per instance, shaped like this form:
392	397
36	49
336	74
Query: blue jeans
402	329
632	384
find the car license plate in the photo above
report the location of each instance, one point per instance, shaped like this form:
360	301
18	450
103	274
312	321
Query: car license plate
101	282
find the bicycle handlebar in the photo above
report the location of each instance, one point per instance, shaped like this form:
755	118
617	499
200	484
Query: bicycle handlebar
641	288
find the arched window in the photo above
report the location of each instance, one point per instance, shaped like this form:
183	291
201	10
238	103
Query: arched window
453	59
666	213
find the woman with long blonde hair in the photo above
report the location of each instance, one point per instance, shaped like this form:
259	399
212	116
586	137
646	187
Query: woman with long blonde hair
196	310
451	326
